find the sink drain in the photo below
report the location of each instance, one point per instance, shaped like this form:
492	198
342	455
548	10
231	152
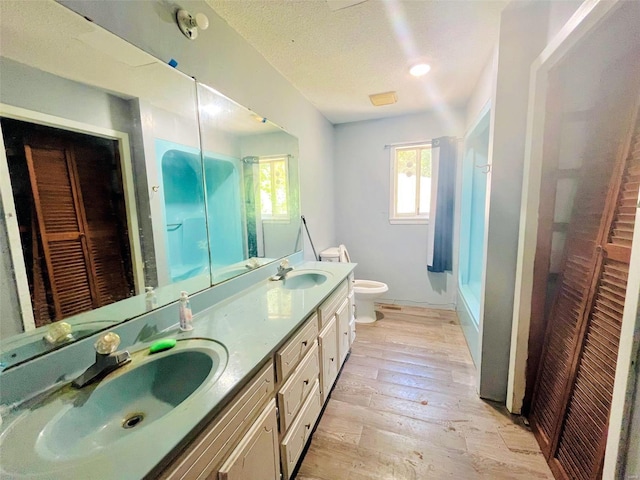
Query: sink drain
133	420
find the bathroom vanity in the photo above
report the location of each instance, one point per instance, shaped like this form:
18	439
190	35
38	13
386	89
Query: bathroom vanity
268	424
237	398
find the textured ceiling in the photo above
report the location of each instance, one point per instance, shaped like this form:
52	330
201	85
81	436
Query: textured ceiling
336	58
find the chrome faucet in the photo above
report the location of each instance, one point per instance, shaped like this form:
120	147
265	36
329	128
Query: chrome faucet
107	360
283	269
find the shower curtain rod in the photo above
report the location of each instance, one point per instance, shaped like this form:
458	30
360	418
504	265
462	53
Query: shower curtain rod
421	142
255	158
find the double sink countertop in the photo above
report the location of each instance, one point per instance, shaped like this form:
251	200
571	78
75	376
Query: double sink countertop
251	325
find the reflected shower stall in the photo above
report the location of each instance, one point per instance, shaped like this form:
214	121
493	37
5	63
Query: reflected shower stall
183	210
188	221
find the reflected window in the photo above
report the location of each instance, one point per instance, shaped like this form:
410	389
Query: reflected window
274	188
411	184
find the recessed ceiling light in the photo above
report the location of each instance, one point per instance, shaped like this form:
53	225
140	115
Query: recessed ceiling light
419	69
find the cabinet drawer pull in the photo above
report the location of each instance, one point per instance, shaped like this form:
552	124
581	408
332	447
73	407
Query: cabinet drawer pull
306	382
307	426
304	343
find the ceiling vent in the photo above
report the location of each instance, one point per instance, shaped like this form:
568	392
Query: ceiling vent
386	98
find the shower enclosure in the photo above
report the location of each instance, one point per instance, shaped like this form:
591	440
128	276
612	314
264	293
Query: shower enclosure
475	169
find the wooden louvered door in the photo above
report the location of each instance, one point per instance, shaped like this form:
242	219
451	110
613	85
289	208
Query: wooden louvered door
60	217
79	226
105	239
574	388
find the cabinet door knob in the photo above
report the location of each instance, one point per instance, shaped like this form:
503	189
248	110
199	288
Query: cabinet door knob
304	343
306	382
331	359
307	426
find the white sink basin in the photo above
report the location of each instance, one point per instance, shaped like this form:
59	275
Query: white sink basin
303	279
71	424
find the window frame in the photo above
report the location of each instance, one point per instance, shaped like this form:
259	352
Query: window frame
286	218
394	217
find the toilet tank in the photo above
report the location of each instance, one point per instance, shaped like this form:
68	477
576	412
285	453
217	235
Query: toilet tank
331	254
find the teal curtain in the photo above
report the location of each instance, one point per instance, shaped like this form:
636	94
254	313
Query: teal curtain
445	194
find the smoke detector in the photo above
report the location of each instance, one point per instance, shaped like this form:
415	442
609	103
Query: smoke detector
386	98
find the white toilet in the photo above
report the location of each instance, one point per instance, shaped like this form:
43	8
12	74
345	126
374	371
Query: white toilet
366	291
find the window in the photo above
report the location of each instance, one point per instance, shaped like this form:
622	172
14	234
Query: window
410	184
274	188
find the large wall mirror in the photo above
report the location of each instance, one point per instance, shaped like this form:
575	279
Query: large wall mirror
89	210
252	187
109	207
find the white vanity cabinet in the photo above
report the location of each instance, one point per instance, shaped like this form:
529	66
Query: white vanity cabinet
343	331
328	340
203	457
296	438
262	432
294	392
352	310
256	456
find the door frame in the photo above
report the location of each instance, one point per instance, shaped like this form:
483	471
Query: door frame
587	17
6	196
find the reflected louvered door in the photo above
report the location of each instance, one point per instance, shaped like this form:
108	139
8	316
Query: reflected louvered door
574	388
62	232
105	241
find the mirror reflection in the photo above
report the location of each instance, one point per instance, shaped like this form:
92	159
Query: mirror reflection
252	187
109	207
101	181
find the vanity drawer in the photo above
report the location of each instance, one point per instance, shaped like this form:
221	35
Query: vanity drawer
331	304
293	393
293	443
292	352
205	454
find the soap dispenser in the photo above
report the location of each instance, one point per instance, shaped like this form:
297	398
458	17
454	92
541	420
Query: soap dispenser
151	300
186	317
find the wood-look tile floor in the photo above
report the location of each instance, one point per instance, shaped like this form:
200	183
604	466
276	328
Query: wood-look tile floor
405	407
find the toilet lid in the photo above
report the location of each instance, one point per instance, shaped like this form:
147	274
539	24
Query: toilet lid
344	254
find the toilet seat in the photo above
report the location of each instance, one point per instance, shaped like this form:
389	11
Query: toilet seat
369	286
344	254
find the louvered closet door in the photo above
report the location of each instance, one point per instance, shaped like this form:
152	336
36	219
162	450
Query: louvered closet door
564	323
58	210
574	388
582	440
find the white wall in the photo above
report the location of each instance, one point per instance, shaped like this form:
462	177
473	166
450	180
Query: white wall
523	30
559	12
632	469
221	58
482	92
393	254
11	323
